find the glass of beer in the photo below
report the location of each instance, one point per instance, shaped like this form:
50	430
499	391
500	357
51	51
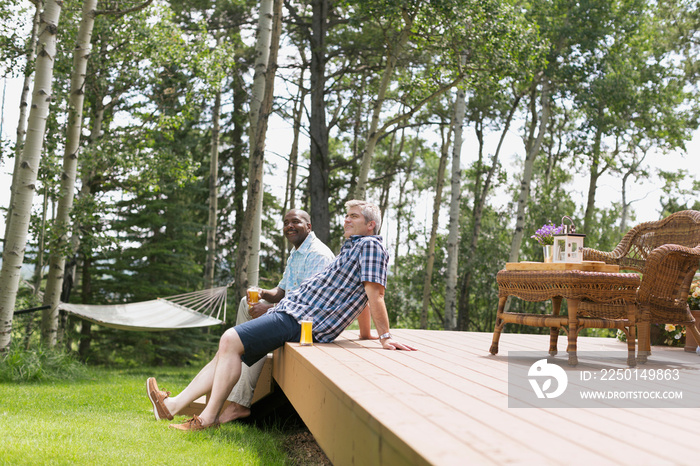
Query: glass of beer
306	337
253	295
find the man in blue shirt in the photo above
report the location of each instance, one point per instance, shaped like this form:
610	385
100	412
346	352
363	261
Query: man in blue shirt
308	257
332	299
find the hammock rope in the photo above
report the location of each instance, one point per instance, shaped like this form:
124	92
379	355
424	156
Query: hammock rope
205	302
202	308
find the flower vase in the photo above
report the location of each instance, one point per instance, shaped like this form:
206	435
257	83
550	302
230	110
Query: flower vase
548	251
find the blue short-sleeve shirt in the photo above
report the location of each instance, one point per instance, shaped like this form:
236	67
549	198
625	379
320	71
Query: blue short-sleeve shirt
311	258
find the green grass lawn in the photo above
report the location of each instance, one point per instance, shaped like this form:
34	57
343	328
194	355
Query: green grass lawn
107	419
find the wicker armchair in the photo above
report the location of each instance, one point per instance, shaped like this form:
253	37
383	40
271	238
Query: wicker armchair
666	253
663	295
682	228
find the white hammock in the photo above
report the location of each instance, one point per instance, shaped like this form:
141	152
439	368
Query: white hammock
196	309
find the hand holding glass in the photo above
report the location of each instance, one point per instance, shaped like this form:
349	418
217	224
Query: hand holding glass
253	295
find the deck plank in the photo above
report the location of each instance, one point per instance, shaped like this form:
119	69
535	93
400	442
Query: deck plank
448	404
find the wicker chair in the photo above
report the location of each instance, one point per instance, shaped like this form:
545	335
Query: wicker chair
667	253
682	228
663	295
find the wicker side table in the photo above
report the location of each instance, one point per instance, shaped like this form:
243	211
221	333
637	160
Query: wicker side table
575	286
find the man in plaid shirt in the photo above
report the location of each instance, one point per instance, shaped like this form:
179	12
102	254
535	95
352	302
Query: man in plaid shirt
332	299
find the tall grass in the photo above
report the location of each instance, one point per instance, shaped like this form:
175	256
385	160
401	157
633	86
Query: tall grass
40	364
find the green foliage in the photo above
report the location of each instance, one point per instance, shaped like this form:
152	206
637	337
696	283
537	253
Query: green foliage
14	15
404	295
677	195
41	364
167	250
479	303
600	332
604	233
129	349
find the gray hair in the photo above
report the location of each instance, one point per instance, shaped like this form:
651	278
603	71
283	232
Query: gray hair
370	212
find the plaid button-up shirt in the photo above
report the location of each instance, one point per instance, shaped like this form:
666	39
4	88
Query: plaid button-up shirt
333	299
312	257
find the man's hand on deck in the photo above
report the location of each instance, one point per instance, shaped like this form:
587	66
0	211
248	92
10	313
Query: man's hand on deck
377	308
391	344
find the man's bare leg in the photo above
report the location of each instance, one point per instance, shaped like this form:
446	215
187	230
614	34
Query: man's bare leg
200	385
227	370
241	397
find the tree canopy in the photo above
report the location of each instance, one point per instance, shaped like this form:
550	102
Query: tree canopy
364	104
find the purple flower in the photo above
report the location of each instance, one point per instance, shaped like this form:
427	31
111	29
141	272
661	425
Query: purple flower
545	235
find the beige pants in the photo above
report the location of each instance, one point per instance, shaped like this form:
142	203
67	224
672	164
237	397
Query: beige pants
242	392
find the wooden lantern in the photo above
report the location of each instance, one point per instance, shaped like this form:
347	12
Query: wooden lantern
568	245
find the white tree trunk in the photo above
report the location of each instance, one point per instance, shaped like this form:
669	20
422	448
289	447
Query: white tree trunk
25	186
290	190
262	52
39	265
632	169
210	266
262	56
23	106
87	176
437	201
247	259
374	133
450	320
57	262
401	203
524	195
292	167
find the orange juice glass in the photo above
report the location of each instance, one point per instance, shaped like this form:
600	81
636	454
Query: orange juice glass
306	337
253	295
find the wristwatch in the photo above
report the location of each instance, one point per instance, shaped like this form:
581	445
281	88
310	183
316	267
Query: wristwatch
384	336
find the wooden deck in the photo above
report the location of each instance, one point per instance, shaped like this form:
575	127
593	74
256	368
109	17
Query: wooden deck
447	404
